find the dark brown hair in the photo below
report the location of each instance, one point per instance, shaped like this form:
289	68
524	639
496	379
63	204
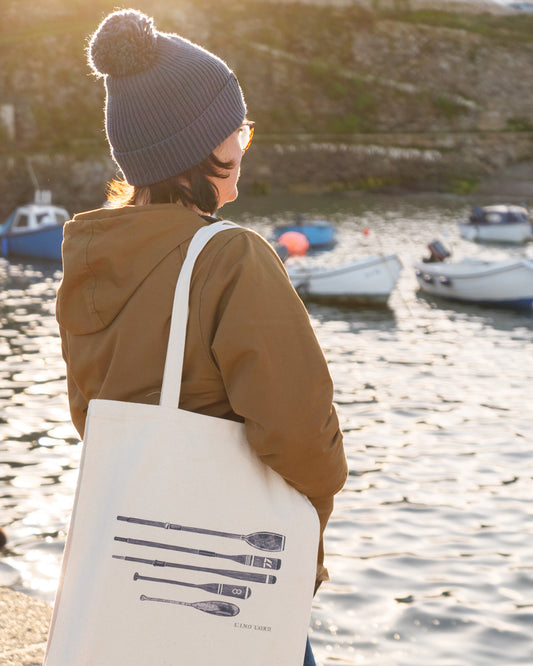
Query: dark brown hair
190	188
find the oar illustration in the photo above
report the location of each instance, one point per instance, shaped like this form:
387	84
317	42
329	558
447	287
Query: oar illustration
248	560
241	575
269	541
240	591
222	608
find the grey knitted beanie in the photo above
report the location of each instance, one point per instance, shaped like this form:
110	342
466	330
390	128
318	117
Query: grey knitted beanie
169	102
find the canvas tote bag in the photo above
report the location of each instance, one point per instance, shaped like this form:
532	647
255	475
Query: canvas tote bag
183	547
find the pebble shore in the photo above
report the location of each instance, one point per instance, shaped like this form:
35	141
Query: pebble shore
24	623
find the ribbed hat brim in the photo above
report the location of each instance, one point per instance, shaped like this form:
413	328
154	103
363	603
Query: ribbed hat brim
181	151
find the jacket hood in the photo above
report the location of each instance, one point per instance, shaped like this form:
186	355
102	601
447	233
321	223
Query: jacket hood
107	253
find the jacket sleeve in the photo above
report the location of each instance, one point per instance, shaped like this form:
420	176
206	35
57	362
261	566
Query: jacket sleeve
273	368
77	402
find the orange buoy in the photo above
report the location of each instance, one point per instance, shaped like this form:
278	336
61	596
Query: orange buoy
295	242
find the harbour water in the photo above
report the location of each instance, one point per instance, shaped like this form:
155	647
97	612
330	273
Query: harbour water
430	548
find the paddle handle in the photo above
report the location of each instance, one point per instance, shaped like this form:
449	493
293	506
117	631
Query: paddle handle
174	526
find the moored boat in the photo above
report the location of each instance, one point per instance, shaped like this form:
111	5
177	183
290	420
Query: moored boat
367	280
497	224
506	282
321	234
34	230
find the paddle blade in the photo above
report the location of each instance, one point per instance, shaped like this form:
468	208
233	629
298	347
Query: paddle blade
266	541
222	608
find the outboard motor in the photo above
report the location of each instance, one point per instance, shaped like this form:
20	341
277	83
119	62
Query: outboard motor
438	252
476	215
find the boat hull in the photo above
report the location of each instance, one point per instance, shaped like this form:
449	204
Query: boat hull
369	280
42	244
502	283
497	233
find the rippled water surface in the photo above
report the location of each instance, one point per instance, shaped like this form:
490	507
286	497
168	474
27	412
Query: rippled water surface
430	549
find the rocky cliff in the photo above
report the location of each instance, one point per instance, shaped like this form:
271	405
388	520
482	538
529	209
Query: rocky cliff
344	96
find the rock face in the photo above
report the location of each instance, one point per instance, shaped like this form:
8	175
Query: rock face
391	94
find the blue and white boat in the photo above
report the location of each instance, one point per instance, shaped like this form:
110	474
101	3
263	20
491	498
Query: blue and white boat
34	230
497	224
321	234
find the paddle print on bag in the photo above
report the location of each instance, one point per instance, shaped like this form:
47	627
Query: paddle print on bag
229	581
261	540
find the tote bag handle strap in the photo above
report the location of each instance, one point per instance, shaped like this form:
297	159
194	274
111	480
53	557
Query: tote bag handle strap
170	389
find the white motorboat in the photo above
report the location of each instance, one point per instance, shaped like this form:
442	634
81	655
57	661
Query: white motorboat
497	224
367	280
507	282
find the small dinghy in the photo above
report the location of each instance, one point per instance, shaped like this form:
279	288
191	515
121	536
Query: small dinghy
320	234
368	280
508	282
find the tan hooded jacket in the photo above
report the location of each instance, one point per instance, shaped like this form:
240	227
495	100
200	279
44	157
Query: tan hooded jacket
251	353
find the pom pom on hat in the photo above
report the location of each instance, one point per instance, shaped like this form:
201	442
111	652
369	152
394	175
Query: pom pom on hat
124	44
169	102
